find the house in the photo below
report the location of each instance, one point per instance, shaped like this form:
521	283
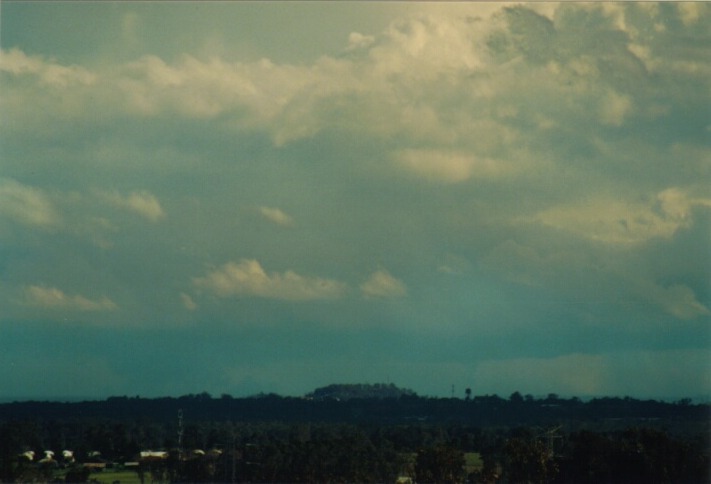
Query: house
153	454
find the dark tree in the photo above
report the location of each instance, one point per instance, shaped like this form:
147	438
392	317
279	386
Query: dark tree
516	398
77	474
529	459
442	464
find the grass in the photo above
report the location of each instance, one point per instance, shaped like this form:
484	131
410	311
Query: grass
109	476
472	462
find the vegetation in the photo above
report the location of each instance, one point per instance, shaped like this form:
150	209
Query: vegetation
351	391
356	434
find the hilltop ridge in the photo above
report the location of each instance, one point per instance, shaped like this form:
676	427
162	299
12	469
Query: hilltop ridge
348	391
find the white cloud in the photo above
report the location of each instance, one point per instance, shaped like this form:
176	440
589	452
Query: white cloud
381	284
448	166
511	119
196	89
248	278
433	76
27	205
450	98
276	216
142	203
53	298
677	203
689	12
50	73
614	108
357	40
291	101
618	221
188	301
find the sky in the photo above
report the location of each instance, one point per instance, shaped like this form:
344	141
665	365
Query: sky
242	197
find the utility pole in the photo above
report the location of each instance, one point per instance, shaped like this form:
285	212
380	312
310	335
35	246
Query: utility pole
234	449
180	432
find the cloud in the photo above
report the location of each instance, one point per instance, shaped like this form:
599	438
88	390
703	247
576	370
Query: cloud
610	277
356	40
246	94
454	264
615	108
432	76
449	167
619	221
276	216
615	256
27	205
49	73
623	373
551	161
689	12
188	301
677	300
53	298
381	284
294	101
142	203
248	278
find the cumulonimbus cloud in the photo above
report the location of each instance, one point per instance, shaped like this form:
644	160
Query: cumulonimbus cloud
248	278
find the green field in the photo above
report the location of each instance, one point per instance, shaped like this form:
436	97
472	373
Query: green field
472	462
110	476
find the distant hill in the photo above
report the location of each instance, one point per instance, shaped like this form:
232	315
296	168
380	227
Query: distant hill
346	391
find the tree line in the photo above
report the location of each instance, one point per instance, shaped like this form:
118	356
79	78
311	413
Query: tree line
485	410
269	438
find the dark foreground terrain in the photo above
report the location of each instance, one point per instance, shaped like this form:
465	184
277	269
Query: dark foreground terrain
357	433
